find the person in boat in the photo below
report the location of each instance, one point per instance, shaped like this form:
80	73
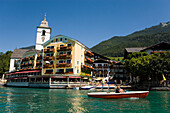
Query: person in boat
119	90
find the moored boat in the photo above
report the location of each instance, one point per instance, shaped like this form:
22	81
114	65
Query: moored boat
105	86
87	87
113	95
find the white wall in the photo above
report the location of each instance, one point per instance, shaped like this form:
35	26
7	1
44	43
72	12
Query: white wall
39	41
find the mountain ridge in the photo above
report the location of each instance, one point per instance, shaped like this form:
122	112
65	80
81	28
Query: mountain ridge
115	45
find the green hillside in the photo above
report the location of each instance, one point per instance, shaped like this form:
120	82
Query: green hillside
149	36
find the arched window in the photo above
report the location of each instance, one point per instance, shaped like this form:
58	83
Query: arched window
43	32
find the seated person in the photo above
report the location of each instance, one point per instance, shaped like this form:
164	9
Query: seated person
119	90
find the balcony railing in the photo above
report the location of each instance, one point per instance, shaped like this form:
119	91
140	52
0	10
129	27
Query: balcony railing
64	65
64	72
101	66
64	48
39	57
31	57
48	58
38	63
30	64
48	50
48	66
88	53
48	72
26	59
88	67
64	56
88	60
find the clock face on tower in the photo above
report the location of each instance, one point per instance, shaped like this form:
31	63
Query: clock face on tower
43	38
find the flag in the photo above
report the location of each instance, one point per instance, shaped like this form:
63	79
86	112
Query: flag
163	77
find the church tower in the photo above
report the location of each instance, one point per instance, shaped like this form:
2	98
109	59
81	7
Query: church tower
43	34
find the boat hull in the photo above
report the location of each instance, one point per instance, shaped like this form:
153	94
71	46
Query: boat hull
113	95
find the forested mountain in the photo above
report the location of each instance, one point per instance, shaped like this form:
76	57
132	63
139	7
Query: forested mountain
149	36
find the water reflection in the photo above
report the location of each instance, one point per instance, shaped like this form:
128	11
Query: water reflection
62	100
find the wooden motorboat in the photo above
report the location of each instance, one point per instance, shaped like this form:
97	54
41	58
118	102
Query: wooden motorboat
113	95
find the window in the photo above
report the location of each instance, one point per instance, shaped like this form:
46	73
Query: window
61	53
51	62
61	61
56	40
81	56
99	65
77	62
69	70
65	39
105	65
69	44
68	61
60	70
81	63
77	71
43	32
52	41
61	39
69	53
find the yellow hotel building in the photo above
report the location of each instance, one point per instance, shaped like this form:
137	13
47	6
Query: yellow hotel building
64	56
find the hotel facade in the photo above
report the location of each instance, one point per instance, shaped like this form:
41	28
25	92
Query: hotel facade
57	62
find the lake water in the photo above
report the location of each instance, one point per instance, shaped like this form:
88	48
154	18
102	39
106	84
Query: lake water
34	100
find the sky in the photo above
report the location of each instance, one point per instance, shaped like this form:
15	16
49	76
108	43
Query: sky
89	21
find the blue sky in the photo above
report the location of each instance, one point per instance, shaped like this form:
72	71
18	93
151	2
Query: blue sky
89	21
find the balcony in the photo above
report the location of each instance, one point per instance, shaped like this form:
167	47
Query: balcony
48	50
48	72
88	53
88	60
38	63
26	59
59	73
48	66
87	67
64	48
39	57
64	56
105	67
63	65
48	58
30	64
31	57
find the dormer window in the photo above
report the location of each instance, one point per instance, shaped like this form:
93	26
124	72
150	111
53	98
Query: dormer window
43	32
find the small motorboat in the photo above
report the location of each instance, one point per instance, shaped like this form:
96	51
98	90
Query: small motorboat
113	95
106	86
87	87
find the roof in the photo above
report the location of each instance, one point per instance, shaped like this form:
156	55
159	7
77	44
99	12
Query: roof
161	45
135	49
103	57
101	61
18	53
37	51
59	36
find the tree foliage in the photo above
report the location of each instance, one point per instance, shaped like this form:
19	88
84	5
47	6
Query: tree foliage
144	65
4	62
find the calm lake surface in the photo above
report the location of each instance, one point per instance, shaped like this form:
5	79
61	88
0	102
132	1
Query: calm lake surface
68	100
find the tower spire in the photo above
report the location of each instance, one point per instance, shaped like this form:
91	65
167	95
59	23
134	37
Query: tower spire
45	17
44	23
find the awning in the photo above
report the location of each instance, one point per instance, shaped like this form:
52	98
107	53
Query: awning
98	78
84	78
